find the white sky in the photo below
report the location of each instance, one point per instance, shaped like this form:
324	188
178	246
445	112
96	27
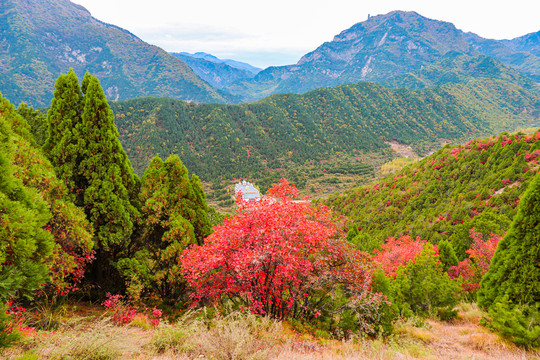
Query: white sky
279	32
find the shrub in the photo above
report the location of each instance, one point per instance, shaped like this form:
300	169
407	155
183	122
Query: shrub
423	287
284	259
519	323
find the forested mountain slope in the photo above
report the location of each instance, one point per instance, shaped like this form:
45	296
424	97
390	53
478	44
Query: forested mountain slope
443	196
381	48
226	141
455	67
214	71
39	39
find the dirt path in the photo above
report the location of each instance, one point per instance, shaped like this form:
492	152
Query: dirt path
403	150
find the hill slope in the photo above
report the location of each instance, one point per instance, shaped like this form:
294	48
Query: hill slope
380	48
446	194
315	129
39	39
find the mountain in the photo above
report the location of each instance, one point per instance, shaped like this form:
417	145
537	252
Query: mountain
380	48
445	195
233	63
299	136
39	39
513	55
218	73
455	68
527	43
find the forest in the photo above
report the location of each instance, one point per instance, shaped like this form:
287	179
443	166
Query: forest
81	229
276	136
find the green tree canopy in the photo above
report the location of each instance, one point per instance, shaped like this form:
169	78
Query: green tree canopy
173	216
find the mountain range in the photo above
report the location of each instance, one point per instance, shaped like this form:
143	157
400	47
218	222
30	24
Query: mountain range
384	47
39	39
217	72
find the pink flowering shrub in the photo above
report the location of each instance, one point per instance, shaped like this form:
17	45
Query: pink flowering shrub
123	313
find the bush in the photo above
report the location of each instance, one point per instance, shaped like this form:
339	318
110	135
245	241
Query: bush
518	323
423	287
283	259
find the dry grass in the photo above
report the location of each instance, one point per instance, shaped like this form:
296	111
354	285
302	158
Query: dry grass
245	336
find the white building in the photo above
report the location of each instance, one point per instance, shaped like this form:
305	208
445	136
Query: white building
249	193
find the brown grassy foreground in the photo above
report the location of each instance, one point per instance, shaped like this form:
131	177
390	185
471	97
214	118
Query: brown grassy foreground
91	335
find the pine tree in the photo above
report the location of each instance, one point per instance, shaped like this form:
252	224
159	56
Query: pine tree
107	175
514	272
63	142
173	216
510	289
447	255
83	146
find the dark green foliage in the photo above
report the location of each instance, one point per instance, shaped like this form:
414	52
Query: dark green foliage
67	223
441	197
514	271
173	216
83	146
447	255
423	287
64	133
108	181
519	323
328	129
37	121
24	244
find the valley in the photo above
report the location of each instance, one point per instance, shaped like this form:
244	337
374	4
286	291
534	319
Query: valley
398	168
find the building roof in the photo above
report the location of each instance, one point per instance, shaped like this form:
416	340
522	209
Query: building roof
249	192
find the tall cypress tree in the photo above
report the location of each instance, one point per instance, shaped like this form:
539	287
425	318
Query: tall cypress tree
173	216
62	144
514	272
84	147
104	166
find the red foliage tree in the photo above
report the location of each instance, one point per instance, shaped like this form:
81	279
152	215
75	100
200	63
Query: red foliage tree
477	264
398	252
280	258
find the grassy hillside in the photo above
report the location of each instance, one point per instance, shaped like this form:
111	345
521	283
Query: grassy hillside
443	196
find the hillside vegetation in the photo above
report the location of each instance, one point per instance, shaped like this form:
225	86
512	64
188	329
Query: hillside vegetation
445	195
290	135
43	38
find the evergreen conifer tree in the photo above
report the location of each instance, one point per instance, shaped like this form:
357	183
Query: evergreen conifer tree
447	255
510	289
514	272
107	175
173	216
83	146
63	142
24	244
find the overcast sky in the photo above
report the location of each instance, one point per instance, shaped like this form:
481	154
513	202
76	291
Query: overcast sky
279	32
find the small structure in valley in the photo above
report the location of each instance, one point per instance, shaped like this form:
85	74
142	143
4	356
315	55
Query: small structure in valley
249	192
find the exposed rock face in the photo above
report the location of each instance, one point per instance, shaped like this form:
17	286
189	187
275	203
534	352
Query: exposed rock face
381	48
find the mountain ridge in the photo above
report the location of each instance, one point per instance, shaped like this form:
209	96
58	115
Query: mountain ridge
42	38
380	48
